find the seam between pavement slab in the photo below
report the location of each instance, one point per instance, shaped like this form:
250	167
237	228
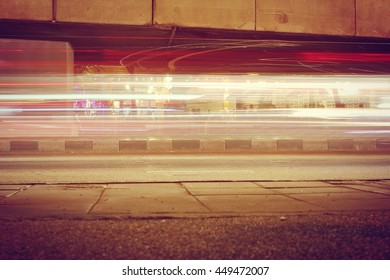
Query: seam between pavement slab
200	202
98	200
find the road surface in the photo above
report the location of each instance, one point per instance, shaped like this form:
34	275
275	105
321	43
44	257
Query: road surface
187	167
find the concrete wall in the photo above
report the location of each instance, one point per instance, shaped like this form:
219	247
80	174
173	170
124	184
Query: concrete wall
373	18
334	17
132	12
26	9
229	14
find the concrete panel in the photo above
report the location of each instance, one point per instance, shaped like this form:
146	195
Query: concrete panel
254	203
131	12
149	198
238	145
220	185
14	187
340	144
51	145
346	201
306	184
132	145
26	9
226	188
333	17
159	145
264	145
369	189
364	144
104	145
186	144
212	145
290	145
228	14
4	146
78	145
22	146
315	145
372	18
50	200
315	190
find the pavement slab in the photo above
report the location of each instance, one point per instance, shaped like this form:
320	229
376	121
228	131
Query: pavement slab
147	198
256	203
379	184
189	199
225	188
13	187
312	190
379	190
295	184
7	193
42	200
10	190
346	201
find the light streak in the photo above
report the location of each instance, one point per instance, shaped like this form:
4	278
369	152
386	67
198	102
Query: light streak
235	105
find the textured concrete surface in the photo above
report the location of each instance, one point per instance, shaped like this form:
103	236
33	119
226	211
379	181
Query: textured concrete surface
228	14
26	9
306	16
332	17
372	18
192	167
131	12
192	199
46	200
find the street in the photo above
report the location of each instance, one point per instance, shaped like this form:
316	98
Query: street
187	167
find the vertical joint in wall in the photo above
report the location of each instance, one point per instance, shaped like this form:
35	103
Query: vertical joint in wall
153	10
255	14
54	11
355	17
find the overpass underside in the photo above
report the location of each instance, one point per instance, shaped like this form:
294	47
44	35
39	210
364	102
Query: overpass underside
242	36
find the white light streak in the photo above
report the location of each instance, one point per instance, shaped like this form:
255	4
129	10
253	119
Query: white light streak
194	104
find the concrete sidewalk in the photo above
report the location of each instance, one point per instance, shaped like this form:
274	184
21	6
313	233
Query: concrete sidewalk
191	199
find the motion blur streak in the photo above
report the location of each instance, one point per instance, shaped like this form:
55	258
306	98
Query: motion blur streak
186	105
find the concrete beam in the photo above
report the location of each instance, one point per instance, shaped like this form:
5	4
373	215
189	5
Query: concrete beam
226	14
36	57
372	18
130	12
331	17
26	9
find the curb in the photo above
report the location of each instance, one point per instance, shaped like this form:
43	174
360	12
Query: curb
193	145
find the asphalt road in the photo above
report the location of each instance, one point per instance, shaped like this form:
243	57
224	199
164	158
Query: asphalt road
186	167
355	235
